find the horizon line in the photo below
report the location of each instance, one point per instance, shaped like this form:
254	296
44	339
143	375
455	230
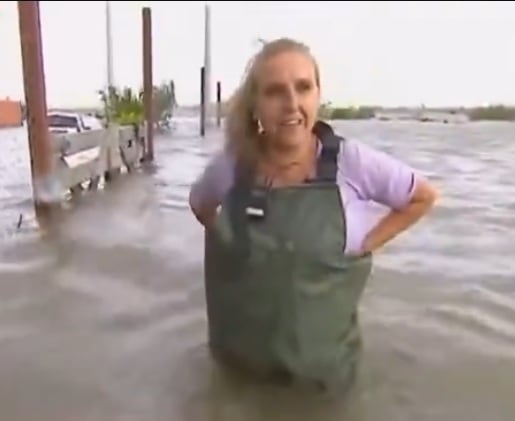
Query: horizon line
362	105
330	104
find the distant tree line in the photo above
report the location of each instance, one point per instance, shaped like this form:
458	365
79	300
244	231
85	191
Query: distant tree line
329	112
493	112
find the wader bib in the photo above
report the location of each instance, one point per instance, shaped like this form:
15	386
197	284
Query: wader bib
281	295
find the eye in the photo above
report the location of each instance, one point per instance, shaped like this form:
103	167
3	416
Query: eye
277	89
274	89
304	85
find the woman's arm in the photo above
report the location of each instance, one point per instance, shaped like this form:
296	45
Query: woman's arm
397	220
208	191
390	182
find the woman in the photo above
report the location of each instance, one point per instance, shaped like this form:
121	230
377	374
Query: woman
284	210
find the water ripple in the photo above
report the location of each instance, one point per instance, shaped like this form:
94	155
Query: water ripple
107	320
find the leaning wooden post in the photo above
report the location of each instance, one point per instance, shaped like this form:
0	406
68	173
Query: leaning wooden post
148	86
40	146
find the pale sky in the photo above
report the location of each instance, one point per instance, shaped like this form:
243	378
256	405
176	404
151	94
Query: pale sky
386	53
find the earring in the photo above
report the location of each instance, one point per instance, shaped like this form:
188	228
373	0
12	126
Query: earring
260	126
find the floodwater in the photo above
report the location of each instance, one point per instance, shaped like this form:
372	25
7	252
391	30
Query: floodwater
107	322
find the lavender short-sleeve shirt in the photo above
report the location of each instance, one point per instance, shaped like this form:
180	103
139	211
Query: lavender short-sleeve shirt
366	176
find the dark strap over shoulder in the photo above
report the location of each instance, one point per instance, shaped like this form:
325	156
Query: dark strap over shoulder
248	201
327	165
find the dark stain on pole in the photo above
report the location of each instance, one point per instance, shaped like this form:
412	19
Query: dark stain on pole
202	102
147	80
40	147
218	103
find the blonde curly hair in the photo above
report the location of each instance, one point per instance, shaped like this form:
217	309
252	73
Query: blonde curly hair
241	126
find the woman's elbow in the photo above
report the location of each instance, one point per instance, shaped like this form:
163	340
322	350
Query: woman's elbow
195	205
205	214
425	194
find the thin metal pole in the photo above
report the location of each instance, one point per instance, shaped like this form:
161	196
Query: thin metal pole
109	63
147	80
109	45
207	63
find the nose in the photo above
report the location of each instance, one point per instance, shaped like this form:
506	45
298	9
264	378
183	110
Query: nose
292	98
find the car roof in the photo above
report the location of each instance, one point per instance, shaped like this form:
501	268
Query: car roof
64	114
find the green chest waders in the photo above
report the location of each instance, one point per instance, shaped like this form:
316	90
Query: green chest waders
281	295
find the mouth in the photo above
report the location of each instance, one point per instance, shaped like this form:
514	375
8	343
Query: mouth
291	122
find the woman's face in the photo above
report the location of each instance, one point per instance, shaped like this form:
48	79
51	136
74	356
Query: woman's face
287	98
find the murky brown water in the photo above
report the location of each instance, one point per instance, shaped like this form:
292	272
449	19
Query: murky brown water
108	322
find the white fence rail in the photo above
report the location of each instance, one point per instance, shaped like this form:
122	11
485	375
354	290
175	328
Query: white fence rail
89	156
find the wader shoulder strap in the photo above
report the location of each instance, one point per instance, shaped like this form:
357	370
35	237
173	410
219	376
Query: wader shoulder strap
247	197
327	165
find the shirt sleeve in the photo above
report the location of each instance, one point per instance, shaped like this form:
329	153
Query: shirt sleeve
214	182
378	176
